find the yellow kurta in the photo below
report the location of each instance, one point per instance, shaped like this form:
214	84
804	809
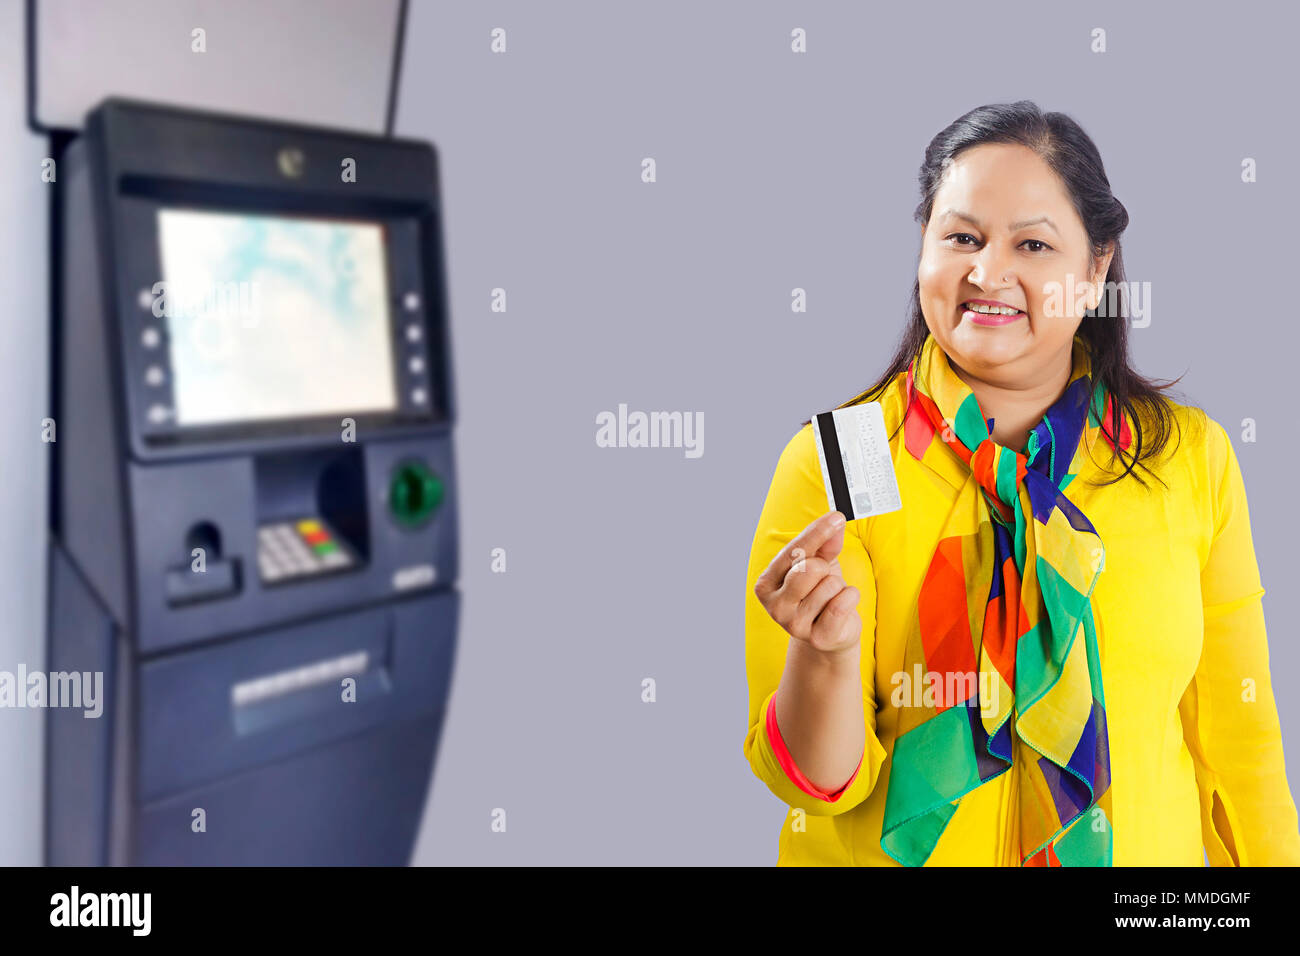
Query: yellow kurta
1195	744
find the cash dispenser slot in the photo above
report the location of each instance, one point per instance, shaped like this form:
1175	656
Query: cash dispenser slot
245	702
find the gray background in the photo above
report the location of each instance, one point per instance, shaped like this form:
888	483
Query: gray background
775	171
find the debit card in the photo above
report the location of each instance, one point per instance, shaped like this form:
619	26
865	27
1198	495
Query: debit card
857	466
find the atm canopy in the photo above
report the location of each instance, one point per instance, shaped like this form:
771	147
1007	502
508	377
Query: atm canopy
319	62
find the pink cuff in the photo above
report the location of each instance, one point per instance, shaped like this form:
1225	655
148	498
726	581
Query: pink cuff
787	762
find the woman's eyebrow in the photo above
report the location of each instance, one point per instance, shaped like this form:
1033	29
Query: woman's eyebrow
958	214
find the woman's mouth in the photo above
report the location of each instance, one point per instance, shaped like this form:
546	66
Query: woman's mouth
980	313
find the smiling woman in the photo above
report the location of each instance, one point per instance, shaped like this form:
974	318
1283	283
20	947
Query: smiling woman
992	260
1116	706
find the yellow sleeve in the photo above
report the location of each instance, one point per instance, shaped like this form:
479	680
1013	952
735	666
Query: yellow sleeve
1229	717
796	498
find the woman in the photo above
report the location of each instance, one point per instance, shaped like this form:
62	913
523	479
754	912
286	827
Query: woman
1054	653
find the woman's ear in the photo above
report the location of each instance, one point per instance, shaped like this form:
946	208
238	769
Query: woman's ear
1097	281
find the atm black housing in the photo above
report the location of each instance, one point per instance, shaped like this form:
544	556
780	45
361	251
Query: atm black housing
297	776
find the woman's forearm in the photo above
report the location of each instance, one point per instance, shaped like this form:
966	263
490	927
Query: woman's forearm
819	712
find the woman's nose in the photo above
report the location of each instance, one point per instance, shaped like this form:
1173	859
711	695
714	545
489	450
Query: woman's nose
991	269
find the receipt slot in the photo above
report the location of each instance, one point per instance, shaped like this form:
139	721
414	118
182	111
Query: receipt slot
254	505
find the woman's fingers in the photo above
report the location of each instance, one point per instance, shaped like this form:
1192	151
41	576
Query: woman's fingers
814	602
839	624
804	591
824	538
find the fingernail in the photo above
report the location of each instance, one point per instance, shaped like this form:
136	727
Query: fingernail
837	520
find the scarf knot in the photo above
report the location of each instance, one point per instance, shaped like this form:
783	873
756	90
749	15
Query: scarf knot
1000	473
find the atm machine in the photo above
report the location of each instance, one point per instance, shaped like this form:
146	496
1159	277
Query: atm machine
254	508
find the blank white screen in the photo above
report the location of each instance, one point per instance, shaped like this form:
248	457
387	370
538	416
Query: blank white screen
274	317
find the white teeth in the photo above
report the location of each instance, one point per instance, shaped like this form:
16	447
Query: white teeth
992	310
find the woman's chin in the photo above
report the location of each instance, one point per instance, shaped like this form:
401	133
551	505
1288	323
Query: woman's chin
985	347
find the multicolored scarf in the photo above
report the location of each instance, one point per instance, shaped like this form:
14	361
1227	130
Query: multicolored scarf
1004	632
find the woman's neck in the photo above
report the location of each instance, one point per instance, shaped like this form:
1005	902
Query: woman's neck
1017	411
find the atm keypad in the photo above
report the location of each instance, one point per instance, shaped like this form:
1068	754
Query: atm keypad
298	549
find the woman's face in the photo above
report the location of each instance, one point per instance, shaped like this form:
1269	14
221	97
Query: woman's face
1003	230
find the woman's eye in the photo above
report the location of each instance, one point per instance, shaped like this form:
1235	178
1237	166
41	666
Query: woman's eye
1041	246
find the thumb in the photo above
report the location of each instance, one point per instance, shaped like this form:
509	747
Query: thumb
832	546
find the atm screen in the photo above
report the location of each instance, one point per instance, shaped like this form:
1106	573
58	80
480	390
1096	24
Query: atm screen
274	317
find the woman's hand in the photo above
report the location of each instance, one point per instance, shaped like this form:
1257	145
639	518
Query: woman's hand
803	589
